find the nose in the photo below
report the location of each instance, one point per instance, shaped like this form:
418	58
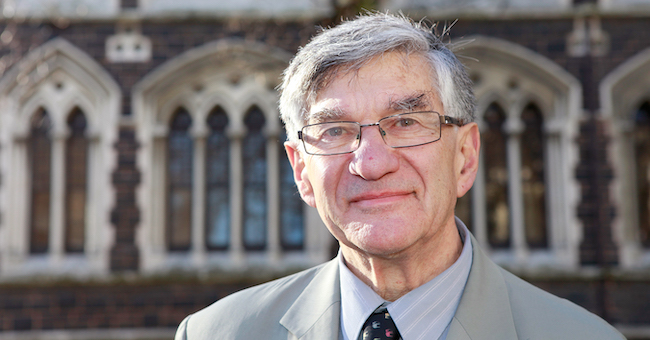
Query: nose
373	159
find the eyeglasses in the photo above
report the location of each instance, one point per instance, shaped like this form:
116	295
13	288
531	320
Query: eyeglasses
398	131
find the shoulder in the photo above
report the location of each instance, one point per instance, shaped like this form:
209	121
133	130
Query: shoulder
537	312
254	311
510	308
277	293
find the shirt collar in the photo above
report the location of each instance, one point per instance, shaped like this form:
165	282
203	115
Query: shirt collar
423	313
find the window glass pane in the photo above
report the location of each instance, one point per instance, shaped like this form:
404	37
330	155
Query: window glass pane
217	181
641	149
76	171
40	150
532	173
130	4
496	177
254	159
179	179
291	223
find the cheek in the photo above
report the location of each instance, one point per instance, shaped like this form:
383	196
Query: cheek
438	177
325	176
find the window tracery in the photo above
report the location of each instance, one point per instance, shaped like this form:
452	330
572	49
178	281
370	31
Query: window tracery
523	202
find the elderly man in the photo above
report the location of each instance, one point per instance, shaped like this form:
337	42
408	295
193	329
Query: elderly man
379	115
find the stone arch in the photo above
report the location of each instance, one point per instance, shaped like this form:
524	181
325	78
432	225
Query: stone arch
516	63
59	66
514	77
622	92
58	77
234	75
487	99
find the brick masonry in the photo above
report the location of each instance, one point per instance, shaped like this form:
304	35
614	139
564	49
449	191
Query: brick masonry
74	306
125	216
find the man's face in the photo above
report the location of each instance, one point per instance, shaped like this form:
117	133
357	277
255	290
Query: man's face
381	200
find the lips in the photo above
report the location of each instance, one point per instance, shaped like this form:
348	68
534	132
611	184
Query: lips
383	197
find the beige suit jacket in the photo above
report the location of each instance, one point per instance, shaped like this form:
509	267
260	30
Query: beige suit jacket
495	305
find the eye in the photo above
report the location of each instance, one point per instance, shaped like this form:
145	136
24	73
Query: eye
405	122
334	132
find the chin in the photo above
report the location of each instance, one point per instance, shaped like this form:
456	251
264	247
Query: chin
374	238
385	246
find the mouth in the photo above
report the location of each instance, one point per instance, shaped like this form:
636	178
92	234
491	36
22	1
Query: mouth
374	199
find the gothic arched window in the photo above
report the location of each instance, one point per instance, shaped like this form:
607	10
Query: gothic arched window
496	177
59	152
76	165
40	158
179	182
217	181
255	173
524	196
641	147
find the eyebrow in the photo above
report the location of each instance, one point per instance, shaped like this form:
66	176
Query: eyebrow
326	114
410	103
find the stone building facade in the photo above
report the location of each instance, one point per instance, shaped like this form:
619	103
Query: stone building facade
142	175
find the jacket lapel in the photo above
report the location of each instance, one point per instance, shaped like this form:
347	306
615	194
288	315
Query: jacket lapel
483	312
484	309
316	312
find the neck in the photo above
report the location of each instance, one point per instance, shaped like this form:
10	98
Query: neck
392	276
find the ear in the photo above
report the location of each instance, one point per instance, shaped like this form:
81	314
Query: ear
300	174
467	157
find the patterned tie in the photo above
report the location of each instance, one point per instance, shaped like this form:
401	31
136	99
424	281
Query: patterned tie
379	326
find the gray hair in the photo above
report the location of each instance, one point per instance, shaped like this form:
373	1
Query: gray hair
351	45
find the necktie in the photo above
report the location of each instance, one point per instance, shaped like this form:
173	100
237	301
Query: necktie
379	326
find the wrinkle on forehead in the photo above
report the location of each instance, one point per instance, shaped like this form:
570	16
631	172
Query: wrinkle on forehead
420	100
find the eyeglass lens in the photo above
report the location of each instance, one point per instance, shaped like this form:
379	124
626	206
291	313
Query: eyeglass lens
398	131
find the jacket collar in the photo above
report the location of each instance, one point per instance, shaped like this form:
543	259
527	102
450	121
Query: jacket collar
316	312
484	309
483	312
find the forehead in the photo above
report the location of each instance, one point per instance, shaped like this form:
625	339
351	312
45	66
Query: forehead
388	83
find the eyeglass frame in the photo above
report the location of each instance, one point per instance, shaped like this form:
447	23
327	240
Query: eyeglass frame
446	120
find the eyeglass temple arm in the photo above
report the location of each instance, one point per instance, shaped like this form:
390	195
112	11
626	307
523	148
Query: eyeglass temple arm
451	120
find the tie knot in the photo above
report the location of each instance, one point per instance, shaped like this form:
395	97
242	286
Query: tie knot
379	326
380	309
